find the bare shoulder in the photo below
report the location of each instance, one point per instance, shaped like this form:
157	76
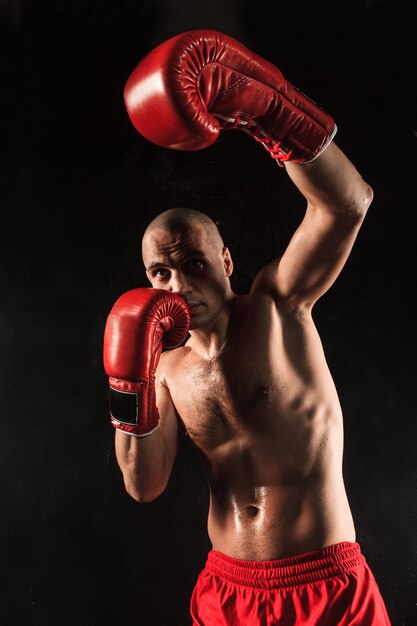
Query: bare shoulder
170	360
265	288
266	300
264	282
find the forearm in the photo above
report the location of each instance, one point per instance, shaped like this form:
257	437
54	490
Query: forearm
144	464
332	183
140	323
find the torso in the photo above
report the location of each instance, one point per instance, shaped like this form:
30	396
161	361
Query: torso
266	418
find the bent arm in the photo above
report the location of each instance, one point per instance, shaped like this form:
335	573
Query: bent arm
146	462
337	201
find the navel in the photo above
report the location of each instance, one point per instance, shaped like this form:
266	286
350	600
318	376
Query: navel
252	511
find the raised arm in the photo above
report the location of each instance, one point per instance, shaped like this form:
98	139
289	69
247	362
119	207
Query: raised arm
337	201
201	82
141	409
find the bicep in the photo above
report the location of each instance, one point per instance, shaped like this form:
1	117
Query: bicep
314	257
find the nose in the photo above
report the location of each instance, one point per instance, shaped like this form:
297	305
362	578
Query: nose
179	284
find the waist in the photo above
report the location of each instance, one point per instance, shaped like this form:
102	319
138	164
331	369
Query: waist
280	522
328	562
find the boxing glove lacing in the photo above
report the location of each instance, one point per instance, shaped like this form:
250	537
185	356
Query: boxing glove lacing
275	148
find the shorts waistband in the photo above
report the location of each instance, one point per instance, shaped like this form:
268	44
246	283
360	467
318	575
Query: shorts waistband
296	570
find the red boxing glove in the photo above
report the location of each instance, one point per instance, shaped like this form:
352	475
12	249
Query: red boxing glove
139	324
193	85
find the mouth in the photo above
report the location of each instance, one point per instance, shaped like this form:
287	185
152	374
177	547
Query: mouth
193	306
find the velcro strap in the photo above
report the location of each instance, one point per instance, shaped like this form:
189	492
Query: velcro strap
124	406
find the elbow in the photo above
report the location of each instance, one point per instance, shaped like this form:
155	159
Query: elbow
367	197
363	200
355	206
143	494
141	498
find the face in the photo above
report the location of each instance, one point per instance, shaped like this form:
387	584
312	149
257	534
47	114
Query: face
186	262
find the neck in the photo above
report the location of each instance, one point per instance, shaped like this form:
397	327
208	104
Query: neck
209	340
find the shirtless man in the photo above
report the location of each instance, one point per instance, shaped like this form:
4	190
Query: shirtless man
251	384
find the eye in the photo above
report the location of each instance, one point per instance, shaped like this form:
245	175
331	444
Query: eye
160	273
194	265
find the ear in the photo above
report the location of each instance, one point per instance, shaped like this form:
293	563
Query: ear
227	261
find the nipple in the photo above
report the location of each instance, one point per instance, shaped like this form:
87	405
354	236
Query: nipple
263	393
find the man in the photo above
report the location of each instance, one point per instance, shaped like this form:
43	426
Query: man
251	384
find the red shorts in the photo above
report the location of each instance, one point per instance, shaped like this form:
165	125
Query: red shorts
329	587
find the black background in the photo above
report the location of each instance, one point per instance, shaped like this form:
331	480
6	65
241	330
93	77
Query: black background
79	187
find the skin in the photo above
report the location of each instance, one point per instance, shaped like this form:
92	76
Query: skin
251	386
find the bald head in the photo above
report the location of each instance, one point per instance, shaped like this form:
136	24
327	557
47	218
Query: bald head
182	221
183	252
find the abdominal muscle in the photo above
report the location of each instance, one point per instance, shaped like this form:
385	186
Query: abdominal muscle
274	474
269	429
276	485
254	519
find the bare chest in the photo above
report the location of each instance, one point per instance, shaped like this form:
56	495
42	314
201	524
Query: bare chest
266	383
219	398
